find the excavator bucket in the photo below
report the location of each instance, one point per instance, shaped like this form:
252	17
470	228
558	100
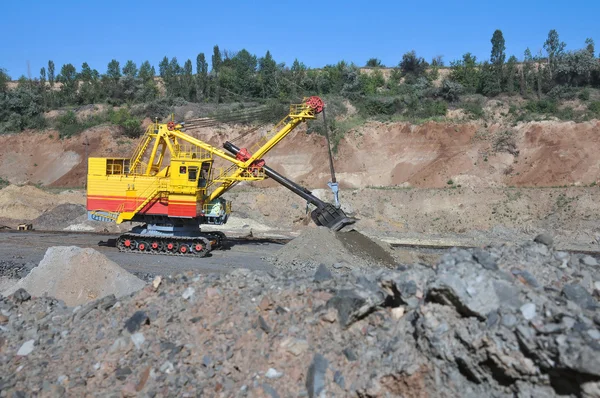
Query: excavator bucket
331	217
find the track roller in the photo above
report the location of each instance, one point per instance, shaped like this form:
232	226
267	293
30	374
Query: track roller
174	246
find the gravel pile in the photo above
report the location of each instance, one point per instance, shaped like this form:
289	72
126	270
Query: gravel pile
77	276
336	250
12	269
59	217
468	327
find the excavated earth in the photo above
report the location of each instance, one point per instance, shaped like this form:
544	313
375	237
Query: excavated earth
502	321
541	154
337	250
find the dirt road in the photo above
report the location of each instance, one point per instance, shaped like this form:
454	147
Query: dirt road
29	248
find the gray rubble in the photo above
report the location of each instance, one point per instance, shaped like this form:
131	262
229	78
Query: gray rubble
502	321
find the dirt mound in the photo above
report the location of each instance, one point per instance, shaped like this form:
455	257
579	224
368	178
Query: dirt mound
59	217
335	250
28	202
77	276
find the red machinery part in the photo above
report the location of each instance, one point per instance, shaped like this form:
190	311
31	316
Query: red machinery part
316	103
171	126
243	155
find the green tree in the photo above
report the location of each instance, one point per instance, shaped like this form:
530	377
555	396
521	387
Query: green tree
68	78
590	46
490	85
201	77
86	73
188	87
113	70
148	91
217	59
298	77
371	82
498	55
437	61
163	67
527	74
267	70
172	81
374	63
242	78
51	73
130	69
412	66
216	62
4	79
497	58
554	47
576	68
511	74
146	71
466	73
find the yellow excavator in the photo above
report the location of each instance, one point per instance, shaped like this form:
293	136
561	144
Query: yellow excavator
169	184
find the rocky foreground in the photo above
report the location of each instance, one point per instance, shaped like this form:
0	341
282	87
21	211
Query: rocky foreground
501	322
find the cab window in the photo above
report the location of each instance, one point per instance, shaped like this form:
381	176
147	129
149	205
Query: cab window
192	173
182	170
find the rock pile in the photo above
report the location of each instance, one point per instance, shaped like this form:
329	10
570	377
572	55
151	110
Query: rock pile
480	323
335	250
76	276
13	269
59	217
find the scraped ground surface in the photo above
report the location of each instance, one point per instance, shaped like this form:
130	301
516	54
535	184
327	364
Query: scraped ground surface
77	276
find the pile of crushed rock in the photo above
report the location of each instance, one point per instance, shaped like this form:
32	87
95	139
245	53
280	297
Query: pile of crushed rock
76	276
341	251
60	217
503	321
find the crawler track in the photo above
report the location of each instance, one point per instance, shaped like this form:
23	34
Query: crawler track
171	246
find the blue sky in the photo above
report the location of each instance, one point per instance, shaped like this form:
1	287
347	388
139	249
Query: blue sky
317	33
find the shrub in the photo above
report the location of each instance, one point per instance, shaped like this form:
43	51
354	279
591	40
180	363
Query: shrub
130	125
132	128
594	107
505	142
584	95
566	113
542	106
474	109
433	108
68	125
562	93
377	106
451	91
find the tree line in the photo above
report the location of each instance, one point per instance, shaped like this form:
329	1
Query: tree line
241	76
